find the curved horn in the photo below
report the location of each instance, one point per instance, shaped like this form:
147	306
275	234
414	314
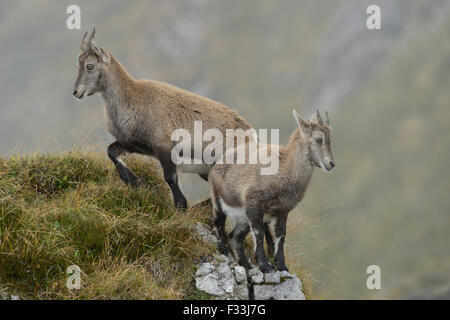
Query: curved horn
92	36
83	42
317	118
327	119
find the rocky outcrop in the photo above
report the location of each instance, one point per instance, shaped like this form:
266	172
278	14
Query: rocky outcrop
224	279
277	286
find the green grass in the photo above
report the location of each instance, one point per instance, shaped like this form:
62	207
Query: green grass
63	209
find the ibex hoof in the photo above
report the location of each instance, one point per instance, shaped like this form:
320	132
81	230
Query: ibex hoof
283	268
266	268
181	205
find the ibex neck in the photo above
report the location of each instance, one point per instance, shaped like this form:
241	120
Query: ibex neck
297	162
118	83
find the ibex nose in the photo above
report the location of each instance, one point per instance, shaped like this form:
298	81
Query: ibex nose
75	93
332	164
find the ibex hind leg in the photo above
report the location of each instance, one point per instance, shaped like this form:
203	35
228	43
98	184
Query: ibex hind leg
219	227
237	237
171	177
115	150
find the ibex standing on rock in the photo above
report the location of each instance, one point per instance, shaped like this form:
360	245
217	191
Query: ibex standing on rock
240	192
142	114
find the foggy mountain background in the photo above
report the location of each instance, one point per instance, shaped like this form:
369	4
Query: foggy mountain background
387	92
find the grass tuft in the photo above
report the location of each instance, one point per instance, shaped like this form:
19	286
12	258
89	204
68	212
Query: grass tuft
58	210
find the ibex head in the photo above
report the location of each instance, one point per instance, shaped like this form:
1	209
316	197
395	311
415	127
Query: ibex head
93	62
316	135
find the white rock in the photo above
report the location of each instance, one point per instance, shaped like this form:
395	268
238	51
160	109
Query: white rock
285	274
291	289
225	277
209	283
257	278
204	269
224	270
272	278
240	291
253	271
240	274
204	233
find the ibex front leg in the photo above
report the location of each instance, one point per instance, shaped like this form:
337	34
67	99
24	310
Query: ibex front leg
269	240
237	238
115	150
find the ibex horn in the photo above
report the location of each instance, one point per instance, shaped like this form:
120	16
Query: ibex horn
319	118
327	119
83	42
92	36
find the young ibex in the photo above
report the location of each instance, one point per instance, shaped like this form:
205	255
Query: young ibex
142	114
257	201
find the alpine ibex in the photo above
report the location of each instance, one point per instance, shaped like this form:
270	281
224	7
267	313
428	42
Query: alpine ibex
142	114
257	201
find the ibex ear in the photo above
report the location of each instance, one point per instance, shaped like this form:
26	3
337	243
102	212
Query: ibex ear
316	118
100	52
302	124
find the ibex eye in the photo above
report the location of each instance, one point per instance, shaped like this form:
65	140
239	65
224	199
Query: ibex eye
318	140
90	67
